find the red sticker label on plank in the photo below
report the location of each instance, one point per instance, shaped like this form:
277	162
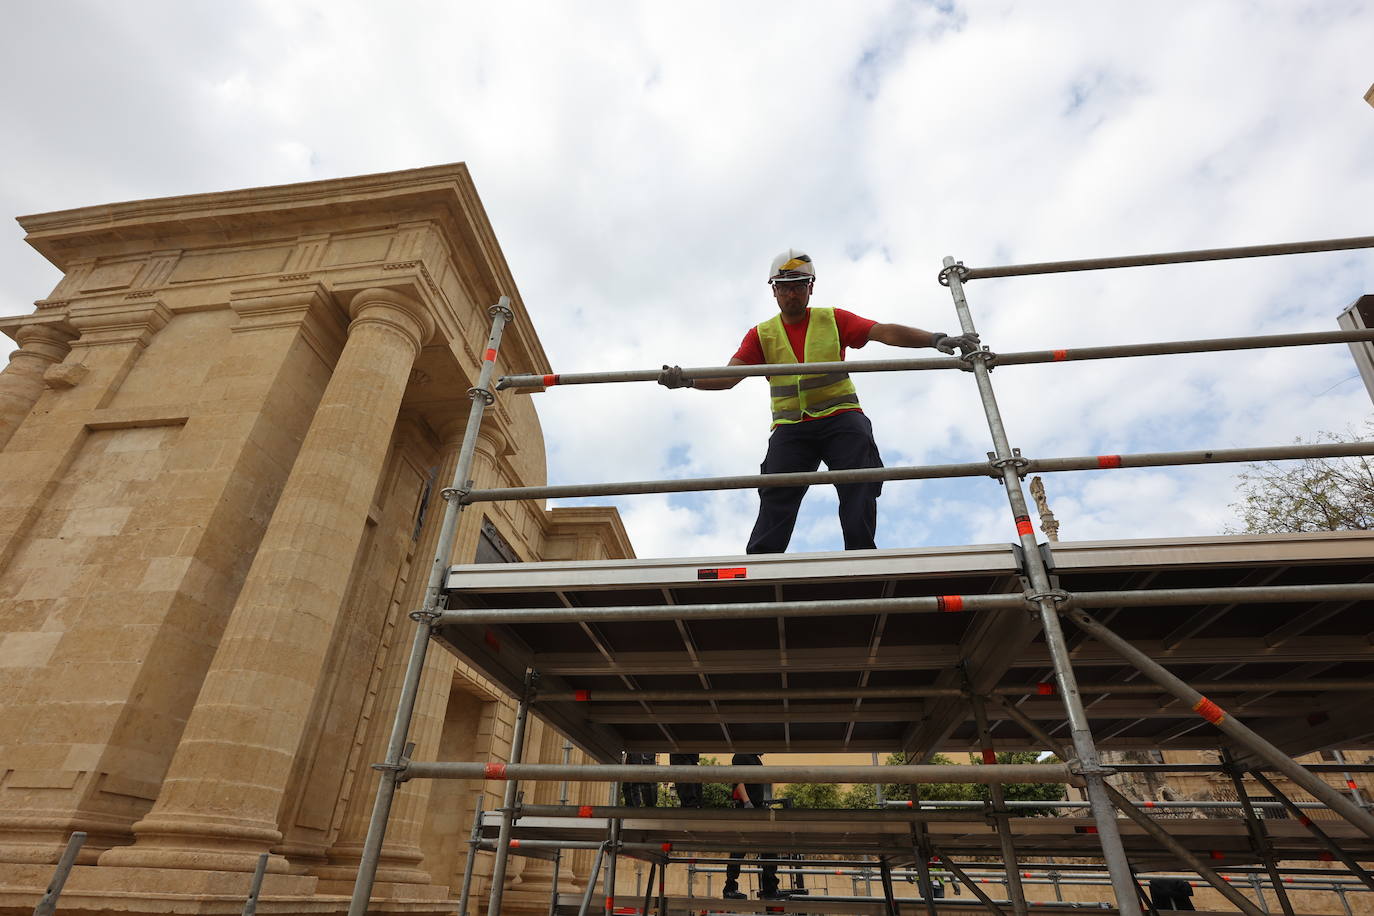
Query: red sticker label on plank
667	847
584	811
582	696
490	355
725	572
1045	689
1217	854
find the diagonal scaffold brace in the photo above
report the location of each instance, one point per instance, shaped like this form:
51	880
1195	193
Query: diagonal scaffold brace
393	768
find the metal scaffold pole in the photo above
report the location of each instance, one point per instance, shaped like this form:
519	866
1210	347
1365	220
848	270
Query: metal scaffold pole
1237	731
393	767
1322	836
1141	819
1259	837
558	859
1007	462
999	812
517	750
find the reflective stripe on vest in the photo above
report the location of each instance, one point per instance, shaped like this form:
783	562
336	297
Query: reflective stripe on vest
798	396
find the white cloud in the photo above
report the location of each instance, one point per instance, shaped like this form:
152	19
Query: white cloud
641	164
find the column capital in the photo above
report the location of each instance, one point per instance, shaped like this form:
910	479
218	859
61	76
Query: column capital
48	341
102	325
397	311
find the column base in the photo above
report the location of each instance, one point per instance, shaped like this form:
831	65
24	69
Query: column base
197	846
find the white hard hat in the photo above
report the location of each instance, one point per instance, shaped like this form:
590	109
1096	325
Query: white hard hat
790	266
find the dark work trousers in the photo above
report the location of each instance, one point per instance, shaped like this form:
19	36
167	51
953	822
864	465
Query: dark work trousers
768	880
843	441
640	794
688	793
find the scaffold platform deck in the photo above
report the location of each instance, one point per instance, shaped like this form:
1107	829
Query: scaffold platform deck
885	681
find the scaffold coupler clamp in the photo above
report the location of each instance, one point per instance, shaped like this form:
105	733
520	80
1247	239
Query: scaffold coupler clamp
983	354
502	308
400	769
449	494
487	397
956	268
1085	771
1015	461
1060	598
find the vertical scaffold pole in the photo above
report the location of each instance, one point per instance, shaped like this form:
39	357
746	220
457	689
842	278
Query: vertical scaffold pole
1242	734
1259	837
393	768
613	850
1000	813
473	840
48	905
517	751
889	895
1008	463
558	856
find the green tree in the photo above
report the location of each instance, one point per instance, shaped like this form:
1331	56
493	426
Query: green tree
1314	494
860	795
1023	791
713	794
813	795
935	791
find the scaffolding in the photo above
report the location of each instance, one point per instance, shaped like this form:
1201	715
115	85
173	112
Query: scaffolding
1004	606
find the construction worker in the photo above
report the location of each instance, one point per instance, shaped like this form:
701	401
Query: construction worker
815	417
751	795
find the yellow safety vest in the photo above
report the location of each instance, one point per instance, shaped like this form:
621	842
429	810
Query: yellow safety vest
798	396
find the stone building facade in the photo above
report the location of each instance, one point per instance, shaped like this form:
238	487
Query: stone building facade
222	439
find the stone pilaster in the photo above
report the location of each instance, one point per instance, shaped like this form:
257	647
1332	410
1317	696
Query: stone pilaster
402	856
219	802
41	346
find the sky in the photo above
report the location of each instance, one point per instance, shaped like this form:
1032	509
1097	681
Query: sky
641	163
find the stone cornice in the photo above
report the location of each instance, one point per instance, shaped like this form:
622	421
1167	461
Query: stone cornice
443	195
308	306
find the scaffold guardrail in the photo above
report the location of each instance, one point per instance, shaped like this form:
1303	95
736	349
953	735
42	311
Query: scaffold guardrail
1006	464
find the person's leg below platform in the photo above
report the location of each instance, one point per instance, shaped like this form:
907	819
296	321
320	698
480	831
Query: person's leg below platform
688	793
768	880
848	444
791	448
732	876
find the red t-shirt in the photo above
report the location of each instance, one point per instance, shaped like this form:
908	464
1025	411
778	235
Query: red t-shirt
852	329
853	332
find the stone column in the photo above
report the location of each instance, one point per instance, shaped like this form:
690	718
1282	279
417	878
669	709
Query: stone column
40	347
219	802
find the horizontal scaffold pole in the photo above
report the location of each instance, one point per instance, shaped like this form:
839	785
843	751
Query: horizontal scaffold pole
841	607
735	815
1045	688
925	472
930	773
1171	257
1023	358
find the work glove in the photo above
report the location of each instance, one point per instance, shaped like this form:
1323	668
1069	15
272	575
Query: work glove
748	803
671	377
964	343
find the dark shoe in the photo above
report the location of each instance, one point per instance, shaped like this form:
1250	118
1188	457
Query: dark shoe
774	895
734	895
